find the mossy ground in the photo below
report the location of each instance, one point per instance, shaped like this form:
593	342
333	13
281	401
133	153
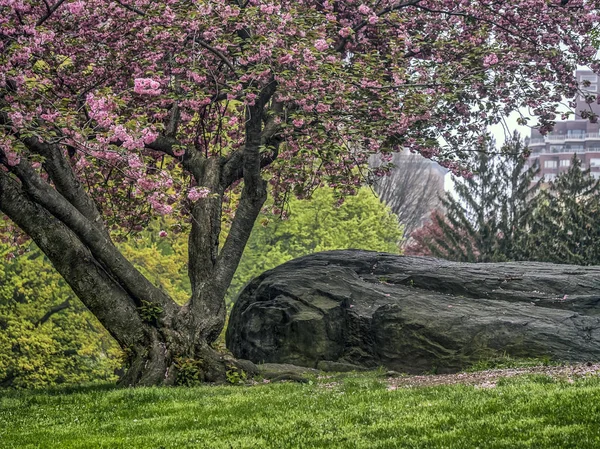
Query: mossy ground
354	411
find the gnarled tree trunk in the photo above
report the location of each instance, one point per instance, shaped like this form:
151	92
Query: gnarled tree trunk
165	343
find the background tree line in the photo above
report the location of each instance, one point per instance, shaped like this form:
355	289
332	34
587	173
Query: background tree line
505	212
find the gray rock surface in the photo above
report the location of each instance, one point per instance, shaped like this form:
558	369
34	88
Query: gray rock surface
412	314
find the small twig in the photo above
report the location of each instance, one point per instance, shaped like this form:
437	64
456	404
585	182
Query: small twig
52	311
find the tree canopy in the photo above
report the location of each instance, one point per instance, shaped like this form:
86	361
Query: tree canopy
361	222
112	112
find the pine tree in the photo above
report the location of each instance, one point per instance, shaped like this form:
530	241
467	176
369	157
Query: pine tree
563	227
517	196
485	221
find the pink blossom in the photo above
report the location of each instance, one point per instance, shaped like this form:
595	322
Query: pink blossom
162	234
490	60
345	32
268	9
149	136
157	203
373	19
134	161
178	152
12	158
321	45
364	10
298	122
322	108
146	86
17	119
286	59
196	193
251	99
75	8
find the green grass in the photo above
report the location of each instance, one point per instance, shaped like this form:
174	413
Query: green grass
359	412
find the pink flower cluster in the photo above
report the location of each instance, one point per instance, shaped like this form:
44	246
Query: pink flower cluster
75	8
490	60
321	45
146	86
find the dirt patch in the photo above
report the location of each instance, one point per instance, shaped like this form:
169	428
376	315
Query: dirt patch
488	379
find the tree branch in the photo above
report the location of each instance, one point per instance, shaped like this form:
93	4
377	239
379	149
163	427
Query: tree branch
62	306
381	13
98	243
100	293
217	53
61	173
192	160
131	8
49	13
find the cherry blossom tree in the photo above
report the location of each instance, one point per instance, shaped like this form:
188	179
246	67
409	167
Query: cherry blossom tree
112	112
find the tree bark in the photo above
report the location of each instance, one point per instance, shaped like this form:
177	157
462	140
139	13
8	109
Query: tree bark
164	343
156	348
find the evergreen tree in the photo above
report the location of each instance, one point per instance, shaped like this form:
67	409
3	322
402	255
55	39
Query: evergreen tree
516	197
564	225
484	222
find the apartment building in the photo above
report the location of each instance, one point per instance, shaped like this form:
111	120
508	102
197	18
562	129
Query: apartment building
555	150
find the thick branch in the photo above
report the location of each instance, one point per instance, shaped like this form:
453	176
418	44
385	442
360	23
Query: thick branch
246	214
61	173
192	160
99	244
100	293
253	194
233	166
232	170
206	227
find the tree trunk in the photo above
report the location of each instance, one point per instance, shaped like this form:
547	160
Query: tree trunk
164	343
176	356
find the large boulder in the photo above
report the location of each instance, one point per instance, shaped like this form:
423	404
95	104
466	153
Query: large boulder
342	309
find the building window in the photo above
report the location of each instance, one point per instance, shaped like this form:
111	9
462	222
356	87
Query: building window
574	148
590	78
594	162
550	177
550	164
556	148
565	163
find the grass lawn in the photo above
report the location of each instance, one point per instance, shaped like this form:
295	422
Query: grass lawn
358	411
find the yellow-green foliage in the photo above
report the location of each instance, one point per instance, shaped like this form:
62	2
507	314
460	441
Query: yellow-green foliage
361	222
70	347
163	260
